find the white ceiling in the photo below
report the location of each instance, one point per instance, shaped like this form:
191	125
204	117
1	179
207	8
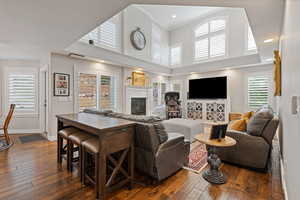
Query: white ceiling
163	15
29	28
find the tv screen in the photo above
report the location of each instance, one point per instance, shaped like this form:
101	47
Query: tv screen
208	88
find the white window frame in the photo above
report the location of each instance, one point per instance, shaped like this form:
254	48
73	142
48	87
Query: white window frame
98	73
22	70
247	51
180	58
270	92
209	35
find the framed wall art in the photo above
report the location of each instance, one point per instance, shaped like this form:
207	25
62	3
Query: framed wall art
61	84
138	79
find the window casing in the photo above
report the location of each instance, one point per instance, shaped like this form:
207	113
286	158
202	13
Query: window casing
175	55
258	91
210	40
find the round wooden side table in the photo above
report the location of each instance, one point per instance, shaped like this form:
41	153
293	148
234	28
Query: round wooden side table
213	174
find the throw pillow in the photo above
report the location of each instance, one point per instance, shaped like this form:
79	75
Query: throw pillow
238	125
246	116
259	121
161	132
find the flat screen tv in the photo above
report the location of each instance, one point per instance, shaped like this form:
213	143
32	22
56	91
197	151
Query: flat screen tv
208	88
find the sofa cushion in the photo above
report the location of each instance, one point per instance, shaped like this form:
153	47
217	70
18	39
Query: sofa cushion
161	132
96	111
259	121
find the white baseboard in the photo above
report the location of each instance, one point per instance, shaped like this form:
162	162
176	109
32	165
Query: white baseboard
52	137
283	181
23	131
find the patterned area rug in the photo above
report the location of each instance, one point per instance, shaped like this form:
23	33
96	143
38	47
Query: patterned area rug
197	158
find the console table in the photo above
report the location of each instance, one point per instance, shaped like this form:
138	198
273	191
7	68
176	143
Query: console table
213	174
114	135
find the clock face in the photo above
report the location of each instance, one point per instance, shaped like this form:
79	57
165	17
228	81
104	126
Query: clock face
138	39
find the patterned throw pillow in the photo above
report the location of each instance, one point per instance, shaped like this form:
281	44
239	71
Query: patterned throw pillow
161	132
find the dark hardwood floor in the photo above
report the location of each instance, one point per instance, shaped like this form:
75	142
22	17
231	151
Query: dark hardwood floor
30	171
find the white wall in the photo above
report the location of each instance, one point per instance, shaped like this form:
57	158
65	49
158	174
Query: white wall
21	123
63	105
290	126
237	24
236	85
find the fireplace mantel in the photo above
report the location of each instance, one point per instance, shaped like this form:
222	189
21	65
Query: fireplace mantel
138	92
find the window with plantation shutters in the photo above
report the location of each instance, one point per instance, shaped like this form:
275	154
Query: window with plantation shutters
87	91
21	90
156	44
210	40
251	45
258	91
175	53
107	35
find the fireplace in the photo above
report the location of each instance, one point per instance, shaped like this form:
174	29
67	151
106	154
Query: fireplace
138	106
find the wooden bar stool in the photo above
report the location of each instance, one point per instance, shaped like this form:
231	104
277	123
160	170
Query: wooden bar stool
76	139
91	146
62	135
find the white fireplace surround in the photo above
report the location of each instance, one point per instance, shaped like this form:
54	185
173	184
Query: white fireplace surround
138	92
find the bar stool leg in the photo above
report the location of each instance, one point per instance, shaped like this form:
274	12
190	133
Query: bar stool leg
83	170
69	155
80	169
59	148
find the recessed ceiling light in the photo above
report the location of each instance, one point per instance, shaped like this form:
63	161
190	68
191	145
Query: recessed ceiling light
174	16
268	40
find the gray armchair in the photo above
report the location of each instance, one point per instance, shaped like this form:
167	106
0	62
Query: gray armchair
251	150
159	160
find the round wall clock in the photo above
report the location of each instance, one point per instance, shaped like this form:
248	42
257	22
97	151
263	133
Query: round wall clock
138	39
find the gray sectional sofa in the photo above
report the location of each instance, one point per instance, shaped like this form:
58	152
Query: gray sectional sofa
156	155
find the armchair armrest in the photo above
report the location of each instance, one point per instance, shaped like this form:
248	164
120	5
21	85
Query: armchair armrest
246	140
173	139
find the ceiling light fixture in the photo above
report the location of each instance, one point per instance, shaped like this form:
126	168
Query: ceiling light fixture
174	16
268	40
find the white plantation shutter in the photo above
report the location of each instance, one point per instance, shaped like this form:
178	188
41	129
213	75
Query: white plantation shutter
217	45
217	25
107	35
201	30
22	92
175	55
251	45
201	49
258	91
210	40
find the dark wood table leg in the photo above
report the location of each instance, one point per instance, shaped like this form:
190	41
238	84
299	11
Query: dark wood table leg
101	190
131	165
60	126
